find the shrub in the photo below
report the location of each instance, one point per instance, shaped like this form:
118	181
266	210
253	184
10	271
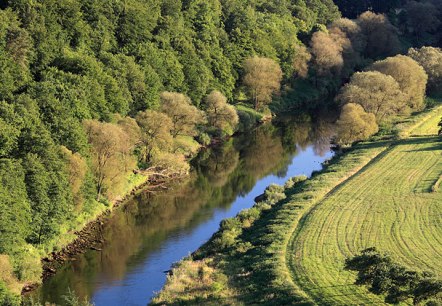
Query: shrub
383	276
293	181
9	285
27	266
7	298
274	193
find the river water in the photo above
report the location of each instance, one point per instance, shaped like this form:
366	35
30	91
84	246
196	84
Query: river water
146	236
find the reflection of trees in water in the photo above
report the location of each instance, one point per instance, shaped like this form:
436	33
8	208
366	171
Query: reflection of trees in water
220	175
304	131
219	164
266	153
322	132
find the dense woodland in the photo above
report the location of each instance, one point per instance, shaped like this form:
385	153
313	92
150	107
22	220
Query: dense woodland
91	90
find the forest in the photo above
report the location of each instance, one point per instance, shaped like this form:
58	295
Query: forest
96	96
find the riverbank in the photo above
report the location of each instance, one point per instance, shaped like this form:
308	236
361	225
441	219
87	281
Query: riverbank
90	236
254	257
87	235
152	231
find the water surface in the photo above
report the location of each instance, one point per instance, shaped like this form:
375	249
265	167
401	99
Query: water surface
151	232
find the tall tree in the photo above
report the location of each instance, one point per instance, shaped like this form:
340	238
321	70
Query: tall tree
431	60
410	76
355	124
421	26
376	92
220	114
15	208
46	190
301	60
77	170
382	37
262	76
108	149
327	49
185	117
156	134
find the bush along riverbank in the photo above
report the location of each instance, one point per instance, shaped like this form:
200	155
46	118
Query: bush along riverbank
250	260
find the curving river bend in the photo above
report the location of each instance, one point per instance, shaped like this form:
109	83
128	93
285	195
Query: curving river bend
151	232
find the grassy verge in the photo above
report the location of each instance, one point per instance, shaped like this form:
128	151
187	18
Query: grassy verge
290	248
388	204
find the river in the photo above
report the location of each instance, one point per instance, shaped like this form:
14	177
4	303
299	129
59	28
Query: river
145	237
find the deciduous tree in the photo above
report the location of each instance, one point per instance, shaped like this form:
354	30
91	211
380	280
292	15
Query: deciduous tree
185	117
327	52
156	134
355	124
431	60
77	170
382	38
410	76
262	76
419	25
107	150
220	114
300	61
376	92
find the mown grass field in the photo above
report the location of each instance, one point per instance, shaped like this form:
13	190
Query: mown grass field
388	204
291	248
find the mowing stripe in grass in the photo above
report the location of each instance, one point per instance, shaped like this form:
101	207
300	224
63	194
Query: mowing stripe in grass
385	204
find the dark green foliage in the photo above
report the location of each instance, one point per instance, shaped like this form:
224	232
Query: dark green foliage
353	8
15	209
47	192
66	61
383	276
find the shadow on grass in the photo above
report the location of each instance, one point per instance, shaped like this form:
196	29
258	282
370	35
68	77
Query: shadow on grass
434	141
254	273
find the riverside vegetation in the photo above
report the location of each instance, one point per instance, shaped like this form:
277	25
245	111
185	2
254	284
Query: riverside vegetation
291	247
93	90
295	246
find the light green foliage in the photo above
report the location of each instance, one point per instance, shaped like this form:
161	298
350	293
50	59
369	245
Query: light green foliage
112	155
390	183
184	116
262	77
156	134
376	92
7	298
410	76
66	62
220	116
47	196
355	124
294	252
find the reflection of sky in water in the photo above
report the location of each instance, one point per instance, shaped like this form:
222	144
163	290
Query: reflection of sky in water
147	275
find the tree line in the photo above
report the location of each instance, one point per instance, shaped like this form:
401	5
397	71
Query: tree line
94	89
387	88
91	90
